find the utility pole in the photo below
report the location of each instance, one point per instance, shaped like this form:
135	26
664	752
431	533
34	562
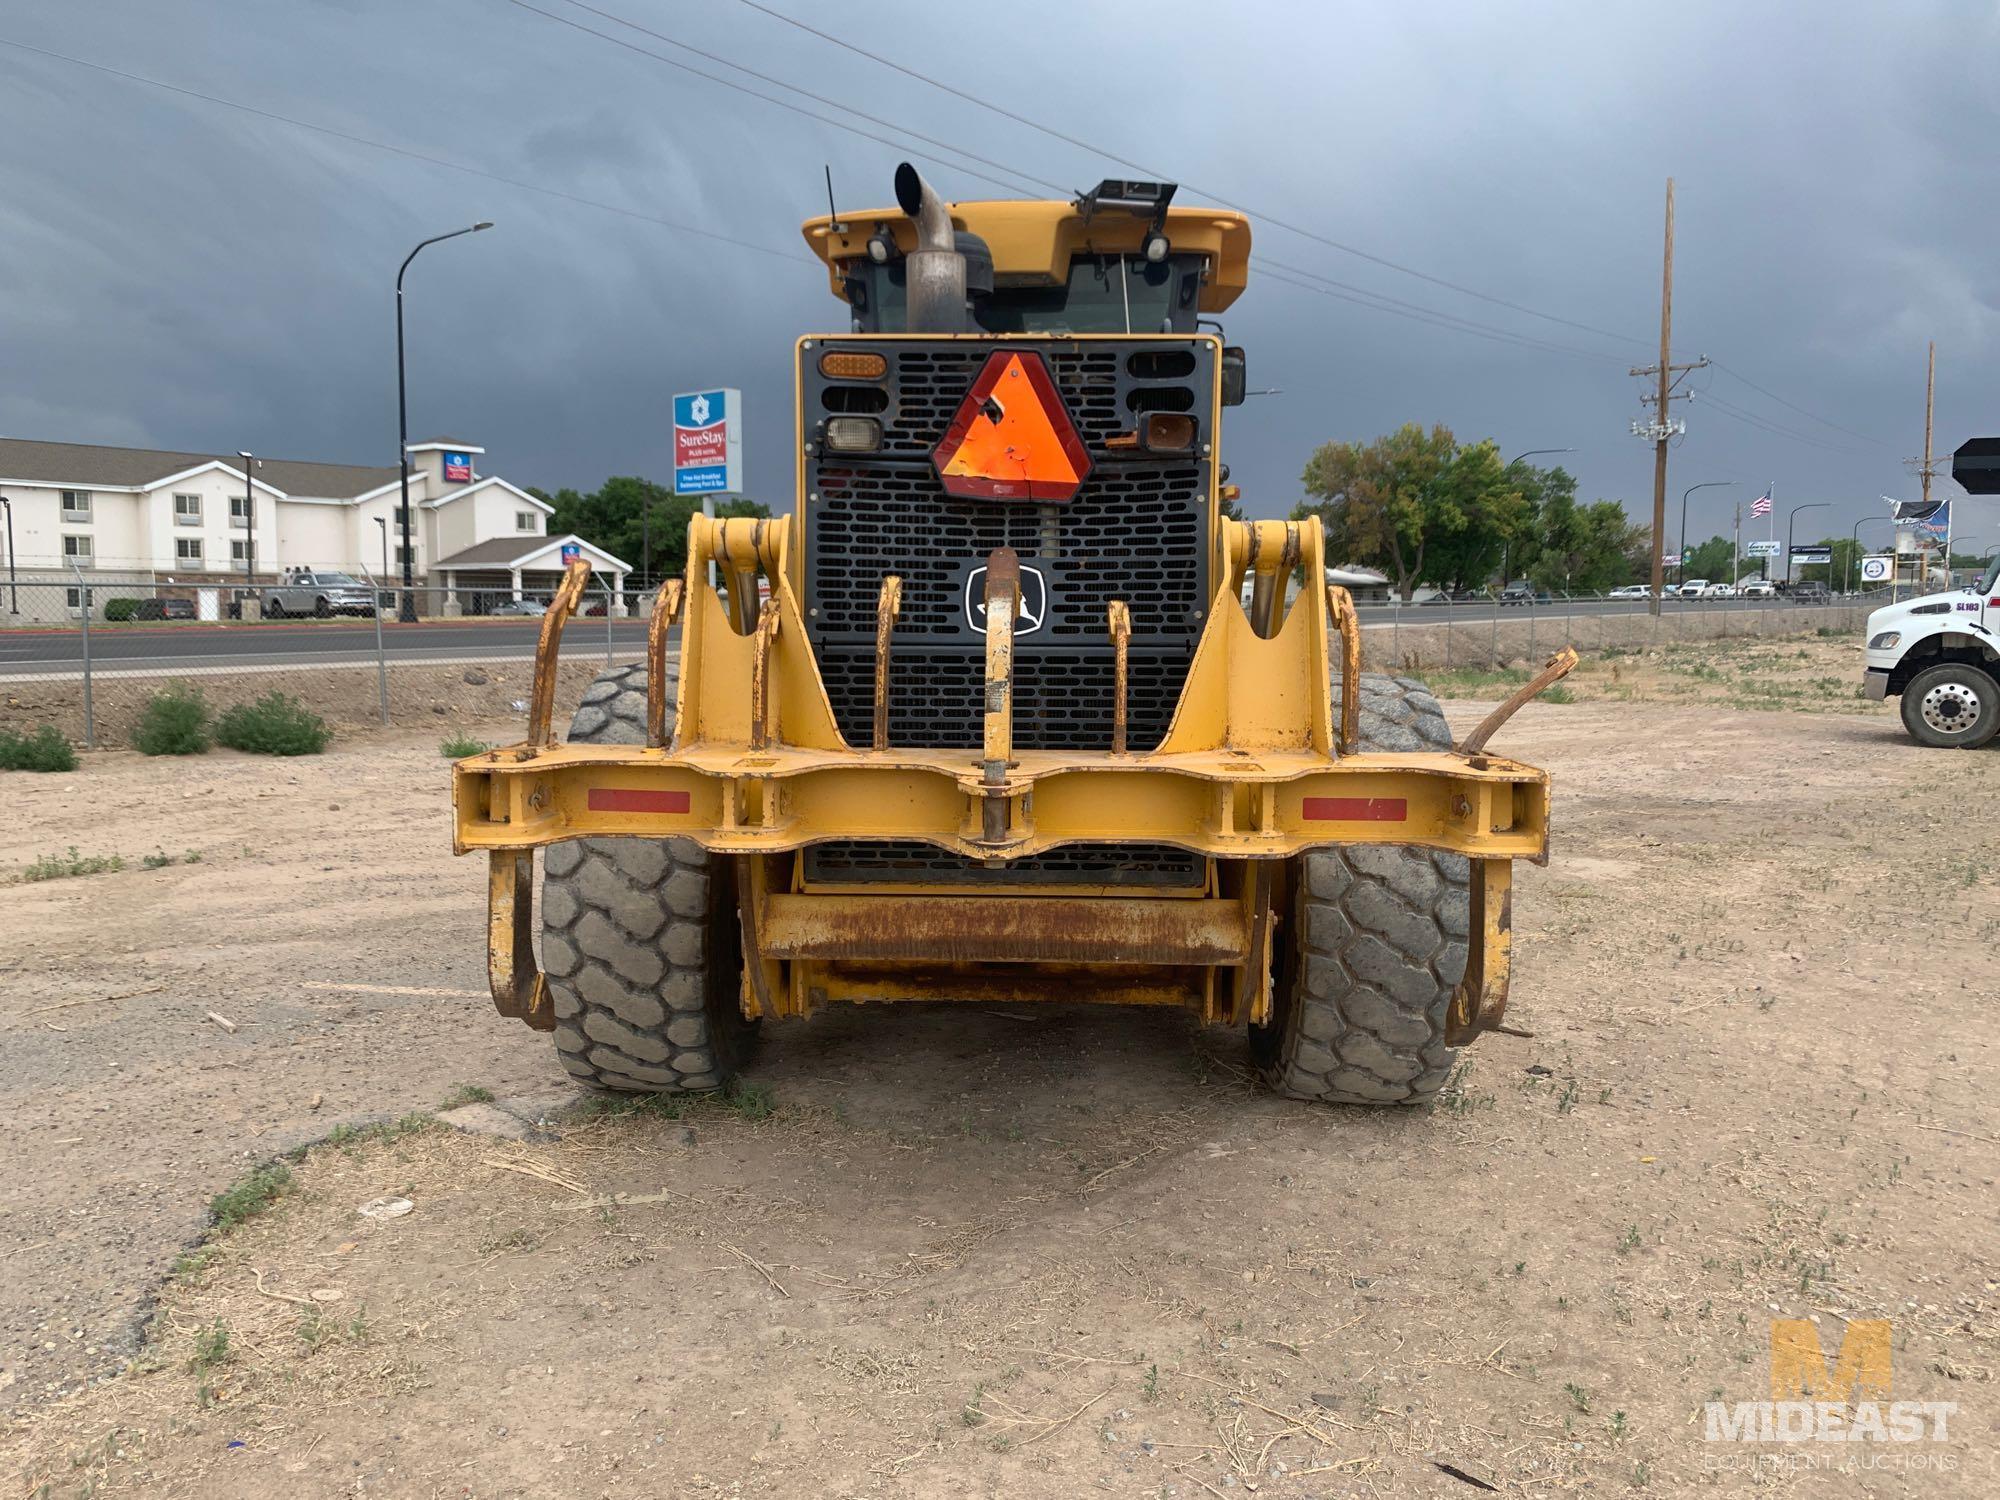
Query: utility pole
1735	547
1663	425
1926	468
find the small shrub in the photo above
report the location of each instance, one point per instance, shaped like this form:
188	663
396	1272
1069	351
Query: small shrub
211	1347
276	724
458	746
466	1093
64	866
44	750
173	722
116	610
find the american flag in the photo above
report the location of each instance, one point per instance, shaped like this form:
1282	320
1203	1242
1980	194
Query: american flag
1761	506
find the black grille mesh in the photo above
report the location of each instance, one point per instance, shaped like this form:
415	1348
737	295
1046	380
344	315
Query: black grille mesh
1061	702
906	861
1135	530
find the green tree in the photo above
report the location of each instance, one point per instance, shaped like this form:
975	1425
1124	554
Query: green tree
1415	504
1583	549
1711	560
627	509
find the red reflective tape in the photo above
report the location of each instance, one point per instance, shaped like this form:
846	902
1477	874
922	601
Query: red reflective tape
636	799
1357	809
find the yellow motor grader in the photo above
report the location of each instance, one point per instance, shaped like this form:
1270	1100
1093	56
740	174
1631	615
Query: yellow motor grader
986	718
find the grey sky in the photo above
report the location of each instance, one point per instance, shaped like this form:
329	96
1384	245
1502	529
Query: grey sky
185	275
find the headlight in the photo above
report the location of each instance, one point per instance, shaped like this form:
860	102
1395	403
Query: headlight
853	434
1885	640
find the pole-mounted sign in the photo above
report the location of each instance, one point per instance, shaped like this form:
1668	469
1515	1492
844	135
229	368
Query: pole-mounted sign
708	443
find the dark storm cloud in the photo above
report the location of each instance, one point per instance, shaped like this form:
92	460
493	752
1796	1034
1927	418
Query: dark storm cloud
183	274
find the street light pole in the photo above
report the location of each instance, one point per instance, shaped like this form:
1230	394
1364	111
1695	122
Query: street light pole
249	524
1507	549
13	582
408	612
1854	550
1789	515
1681	576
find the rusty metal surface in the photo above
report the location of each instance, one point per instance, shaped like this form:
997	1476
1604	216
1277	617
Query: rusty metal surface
888	604
1004	929
1340	611
1480	1001
520	989
1553	671
542	699
666	610
1003	599
760	675
1121	639
1250	994
816	984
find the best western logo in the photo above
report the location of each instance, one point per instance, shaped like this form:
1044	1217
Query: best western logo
1809	1403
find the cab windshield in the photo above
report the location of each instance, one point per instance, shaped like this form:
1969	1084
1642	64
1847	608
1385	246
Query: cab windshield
1986	584
1104	294
337	578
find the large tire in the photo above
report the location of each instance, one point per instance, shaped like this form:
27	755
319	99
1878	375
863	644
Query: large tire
1952	707
640	940
1372	946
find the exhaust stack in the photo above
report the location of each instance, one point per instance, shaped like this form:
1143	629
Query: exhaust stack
934	271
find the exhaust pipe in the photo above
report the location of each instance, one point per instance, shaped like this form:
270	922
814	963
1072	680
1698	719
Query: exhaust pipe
934	272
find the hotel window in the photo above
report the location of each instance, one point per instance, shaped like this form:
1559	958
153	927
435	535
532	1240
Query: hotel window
77	549
239	511
239	551
187	510
76	505
187	549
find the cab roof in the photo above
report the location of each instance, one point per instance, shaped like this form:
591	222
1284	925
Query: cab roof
1034	241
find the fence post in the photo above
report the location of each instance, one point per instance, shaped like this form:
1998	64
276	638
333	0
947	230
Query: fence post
375	593
607	624
1531	634
1448	608
1396	635
83	615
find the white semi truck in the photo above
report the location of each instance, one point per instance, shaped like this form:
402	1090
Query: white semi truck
1941	654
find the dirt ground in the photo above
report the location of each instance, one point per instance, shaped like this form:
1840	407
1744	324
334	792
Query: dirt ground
1008	1251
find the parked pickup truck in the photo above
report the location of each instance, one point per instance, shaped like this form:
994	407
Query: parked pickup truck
308	591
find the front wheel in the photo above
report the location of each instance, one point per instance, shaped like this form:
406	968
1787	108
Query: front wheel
1952	707
640	940
1371	946
321	608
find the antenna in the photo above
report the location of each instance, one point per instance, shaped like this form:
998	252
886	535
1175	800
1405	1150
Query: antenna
834	226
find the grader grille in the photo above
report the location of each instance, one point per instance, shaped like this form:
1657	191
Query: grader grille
1136	530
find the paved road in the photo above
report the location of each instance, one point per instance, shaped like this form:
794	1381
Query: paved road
344	642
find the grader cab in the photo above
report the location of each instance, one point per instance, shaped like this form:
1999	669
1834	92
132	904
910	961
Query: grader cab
986	718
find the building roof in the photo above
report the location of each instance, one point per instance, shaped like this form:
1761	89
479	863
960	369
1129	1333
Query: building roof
513	551
87	466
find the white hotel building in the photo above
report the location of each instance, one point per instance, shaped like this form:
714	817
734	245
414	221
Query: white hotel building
189	525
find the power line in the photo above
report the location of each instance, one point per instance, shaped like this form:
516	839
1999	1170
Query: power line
1799	409
619	41
402	151
1311	281
1224	199
1380	302
1752	419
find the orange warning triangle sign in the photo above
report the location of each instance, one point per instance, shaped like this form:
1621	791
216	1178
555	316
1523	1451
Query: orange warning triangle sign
1012	438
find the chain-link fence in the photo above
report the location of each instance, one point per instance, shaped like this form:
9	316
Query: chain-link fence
88	652
1482	632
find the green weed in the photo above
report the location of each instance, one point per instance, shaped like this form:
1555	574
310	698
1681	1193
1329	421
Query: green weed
175	721
254	1193
458	746
71	864
276	724
43	750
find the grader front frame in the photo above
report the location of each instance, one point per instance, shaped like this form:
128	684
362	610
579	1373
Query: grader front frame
1262	762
